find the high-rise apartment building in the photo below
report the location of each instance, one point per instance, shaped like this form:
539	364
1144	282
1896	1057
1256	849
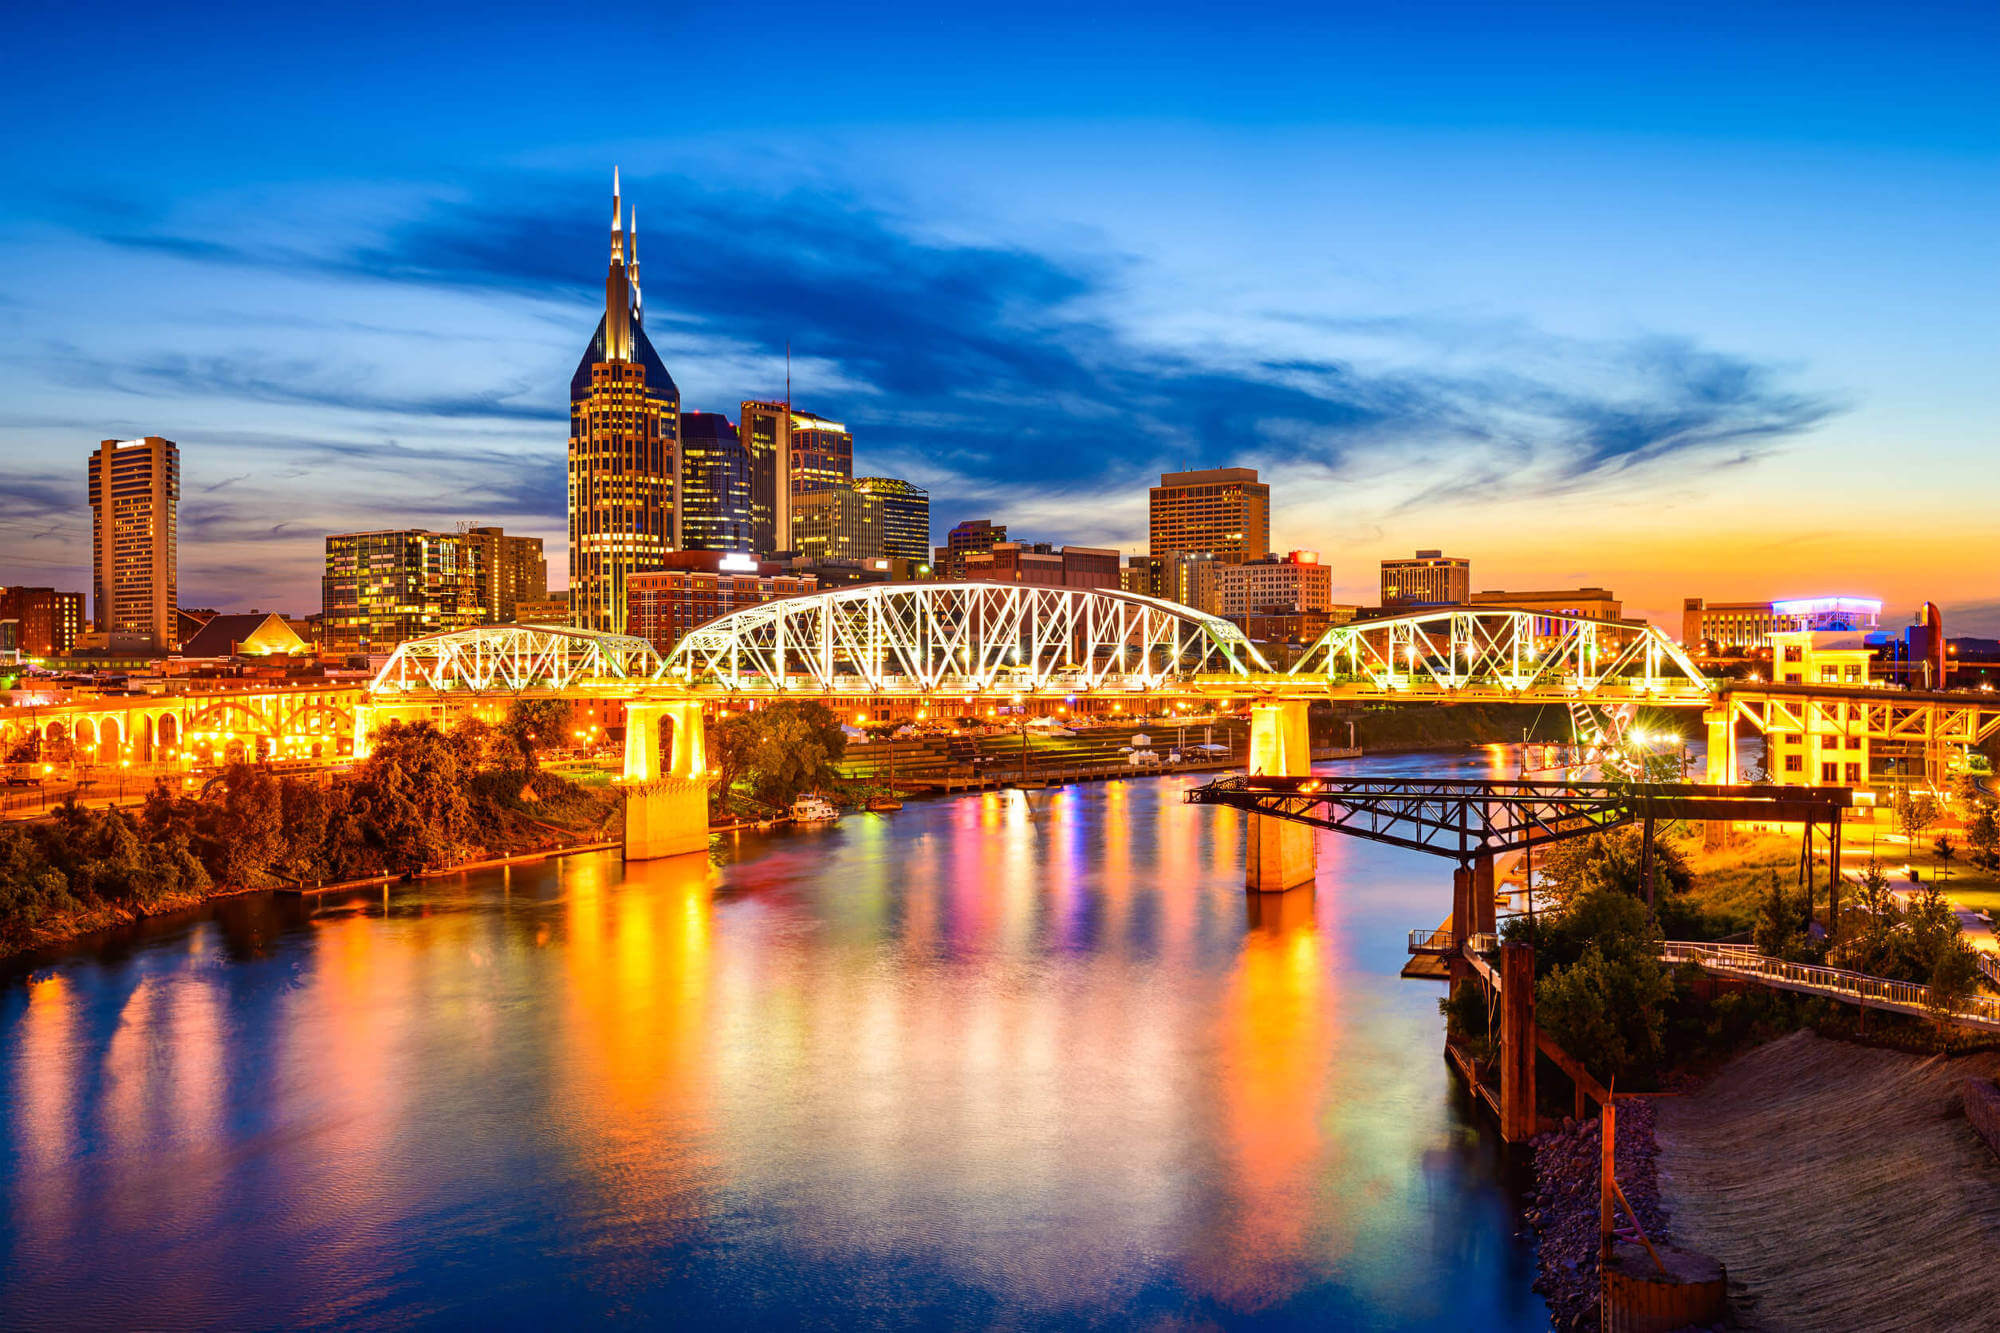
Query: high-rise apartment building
1273	585
906	516
716	486
44	622
508	570
135	494
1225	511
1430	578
623	438
382	588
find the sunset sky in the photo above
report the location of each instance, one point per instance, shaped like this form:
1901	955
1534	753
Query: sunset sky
1678	300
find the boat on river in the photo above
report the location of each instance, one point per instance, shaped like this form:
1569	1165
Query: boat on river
813	809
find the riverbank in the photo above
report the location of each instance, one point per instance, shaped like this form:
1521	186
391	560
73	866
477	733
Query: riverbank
1840	1184
1565	1209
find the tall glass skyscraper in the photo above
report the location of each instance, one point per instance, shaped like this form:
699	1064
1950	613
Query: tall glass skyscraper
624	411
714	486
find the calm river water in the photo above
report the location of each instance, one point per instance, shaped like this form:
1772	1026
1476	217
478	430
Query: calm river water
1003	1059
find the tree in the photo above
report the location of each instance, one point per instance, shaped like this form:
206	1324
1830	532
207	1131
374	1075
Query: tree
1870	928
1916	811
1571	869
534	725
1982	837
729	744
1953	978
412	790
1607	1009
1943	848
792	748
1777	923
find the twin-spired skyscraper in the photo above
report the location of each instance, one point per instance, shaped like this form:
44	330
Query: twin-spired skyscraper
624	426
646	479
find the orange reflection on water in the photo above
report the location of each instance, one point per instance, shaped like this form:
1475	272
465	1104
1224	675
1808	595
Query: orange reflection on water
635	1068
1273	1071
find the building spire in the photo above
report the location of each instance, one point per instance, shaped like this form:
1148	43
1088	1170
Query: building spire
617	221
617	285
638	301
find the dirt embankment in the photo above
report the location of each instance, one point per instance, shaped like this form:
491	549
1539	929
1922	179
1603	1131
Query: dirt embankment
1840	1184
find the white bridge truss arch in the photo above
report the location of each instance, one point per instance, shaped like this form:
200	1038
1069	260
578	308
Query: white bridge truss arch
955	637
1510	652
510	659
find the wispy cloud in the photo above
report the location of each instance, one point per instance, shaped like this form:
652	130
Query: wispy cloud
991	363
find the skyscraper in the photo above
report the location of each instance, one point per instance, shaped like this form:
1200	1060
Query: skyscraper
1225	511
714	484
822	453
906	516
623	439
135	494
509	570
792	453
766	432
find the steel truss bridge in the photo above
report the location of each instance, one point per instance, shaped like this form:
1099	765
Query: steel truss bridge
1470	819
970	639
881	644
961	638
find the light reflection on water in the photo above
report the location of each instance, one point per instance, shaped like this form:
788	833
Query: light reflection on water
1015	1058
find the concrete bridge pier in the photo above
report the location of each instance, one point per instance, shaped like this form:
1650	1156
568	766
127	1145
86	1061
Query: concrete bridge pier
1280	854
666	806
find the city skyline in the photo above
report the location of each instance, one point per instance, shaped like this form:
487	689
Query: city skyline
1477	364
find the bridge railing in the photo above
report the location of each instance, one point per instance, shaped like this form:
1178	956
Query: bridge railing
1989	965
1834	982
1433	941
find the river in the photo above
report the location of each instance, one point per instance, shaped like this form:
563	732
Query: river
1031	1060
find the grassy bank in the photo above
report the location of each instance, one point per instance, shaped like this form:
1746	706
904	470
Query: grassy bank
1839	1185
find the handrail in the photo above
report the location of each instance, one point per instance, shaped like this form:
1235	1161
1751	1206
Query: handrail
1430	941
1833	982
1989	965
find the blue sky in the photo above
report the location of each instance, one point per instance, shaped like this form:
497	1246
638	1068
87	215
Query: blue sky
1683	300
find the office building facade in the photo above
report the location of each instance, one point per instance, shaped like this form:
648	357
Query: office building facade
40	622
695	587
1223	511
821	453
837	523
135	494
1729	627
906	516
765	429
1430	578
1044	565
973	534
1586	603
715	483
1274	585
623	442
